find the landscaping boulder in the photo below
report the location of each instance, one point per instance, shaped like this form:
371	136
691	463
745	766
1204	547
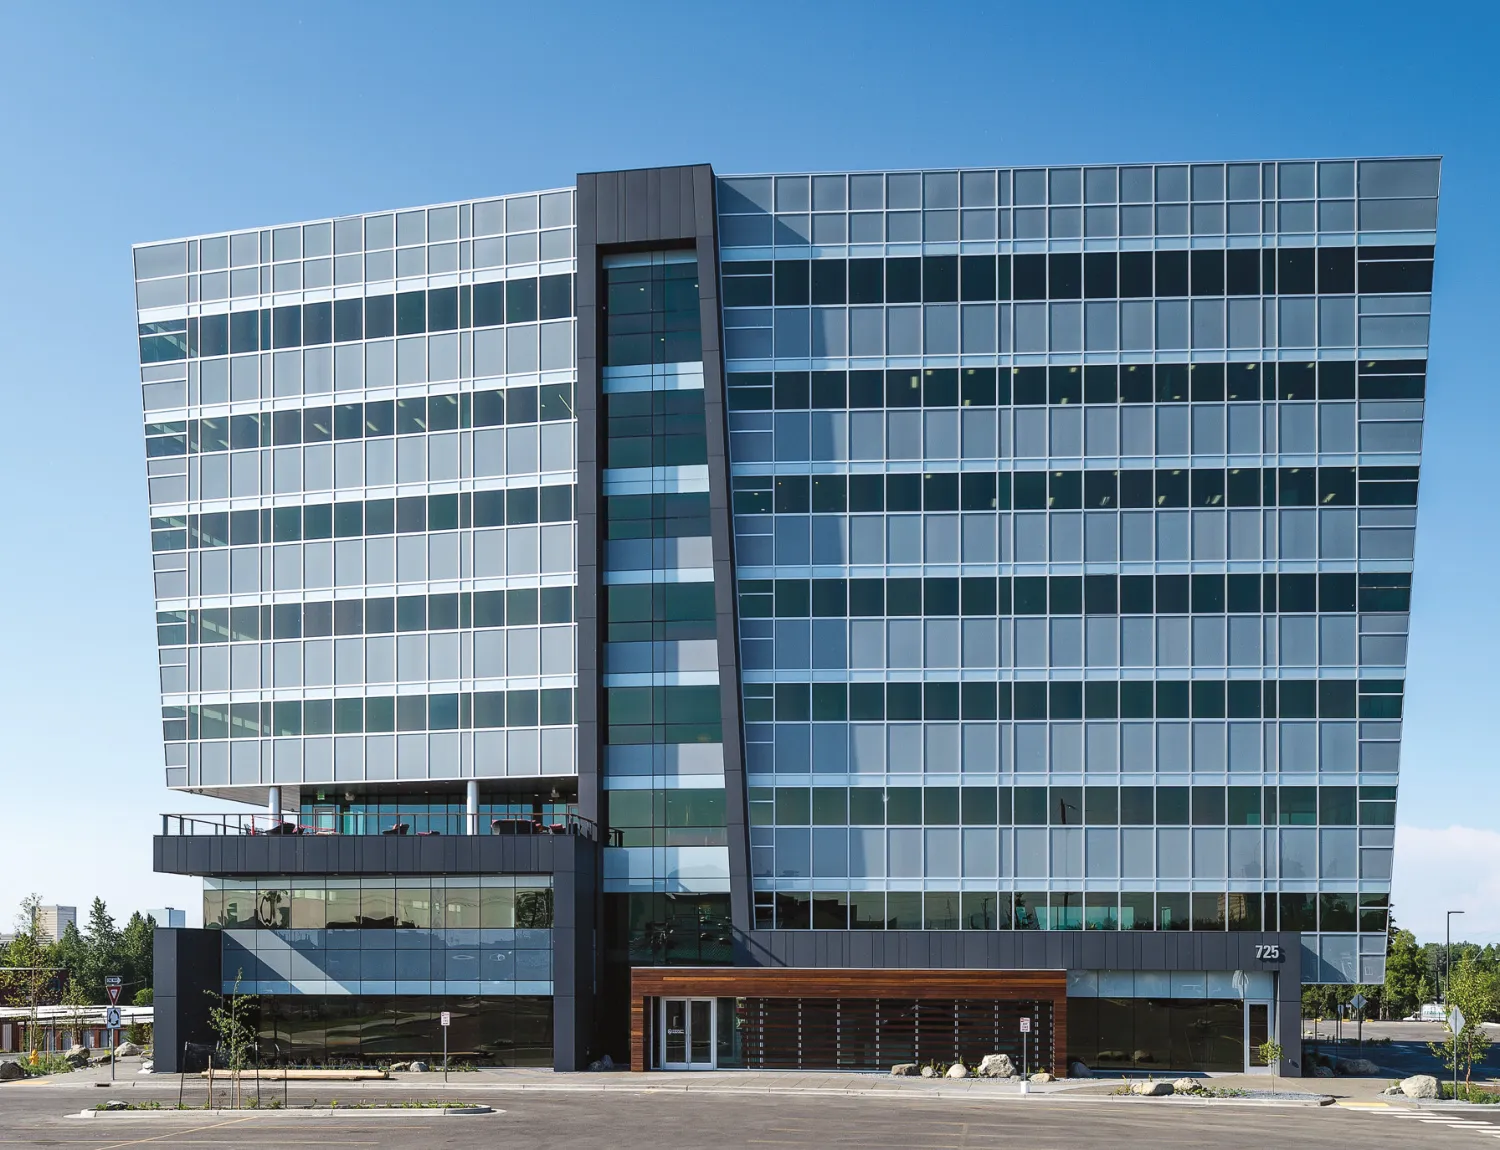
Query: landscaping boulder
1421	1086
1079	1070
928	1072
147	1067
1185	1086
127	1050
419	1068
1393	1088
104	1058
905	1070
1151	1089
11	1070
1041	1076
958	1070
116	1104
1322	1072
1141	1056
1361	1067
399	1067
996	1066
607	1063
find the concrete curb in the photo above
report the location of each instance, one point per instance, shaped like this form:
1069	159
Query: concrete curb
899	1095
320	1113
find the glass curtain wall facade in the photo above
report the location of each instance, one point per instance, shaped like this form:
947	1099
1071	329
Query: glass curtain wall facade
359	440
1074	512
360	454
1071	525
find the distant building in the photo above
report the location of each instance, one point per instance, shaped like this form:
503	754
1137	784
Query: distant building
168	916
51	921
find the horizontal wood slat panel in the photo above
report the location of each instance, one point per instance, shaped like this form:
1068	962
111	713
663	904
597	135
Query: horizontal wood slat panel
781	982
817	1018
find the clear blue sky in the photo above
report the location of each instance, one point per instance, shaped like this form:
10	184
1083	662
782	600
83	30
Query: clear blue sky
124	123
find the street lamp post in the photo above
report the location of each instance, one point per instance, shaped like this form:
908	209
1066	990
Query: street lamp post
1448	957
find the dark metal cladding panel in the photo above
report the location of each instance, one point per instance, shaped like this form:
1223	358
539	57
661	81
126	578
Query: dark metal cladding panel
662	215
1093	950
372	854
1213	951
705	207
1153	952
585	204
185	966
637	199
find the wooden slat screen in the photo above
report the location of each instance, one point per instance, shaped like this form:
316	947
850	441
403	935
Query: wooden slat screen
869	1020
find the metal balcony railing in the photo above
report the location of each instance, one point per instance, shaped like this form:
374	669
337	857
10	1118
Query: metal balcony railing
416	823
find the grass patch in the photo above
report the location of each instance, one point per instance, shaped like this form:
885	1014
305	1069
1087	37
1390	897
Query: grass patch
45	1064
1199	1090
334	1104
1216	1092
1470	1093
409	1104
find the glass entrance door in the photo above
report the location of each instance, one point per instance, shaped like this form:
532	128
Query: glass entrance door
687	1033
1258	1031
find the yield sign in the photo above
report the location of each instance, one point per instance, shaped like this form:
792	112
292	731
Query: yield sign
114	995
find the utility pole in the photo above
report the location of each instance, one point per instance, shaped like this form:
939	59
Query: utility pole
1448	957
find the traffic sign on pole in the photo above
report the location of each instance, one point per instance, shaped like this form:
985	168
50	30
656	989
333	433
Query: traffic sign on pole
1025	1077
445	1018
112	1018
114	995
1358	1001
1456	1022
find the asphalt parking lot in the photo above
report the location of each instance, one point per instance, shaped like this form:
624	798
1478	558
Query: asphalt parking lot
44	1114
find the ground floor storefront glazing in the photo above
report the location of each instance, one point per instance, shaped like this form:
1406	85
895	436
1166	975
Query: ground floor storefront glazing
365	1029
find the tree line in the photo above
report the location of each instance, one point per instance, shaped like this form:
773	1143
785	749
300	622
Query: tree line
1418	973
71	970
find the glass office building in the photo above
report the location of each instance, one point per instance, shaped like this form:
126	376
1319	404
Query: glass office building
681	615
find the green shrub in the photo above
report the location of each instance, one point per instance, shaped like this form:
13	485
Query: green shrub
1468	1093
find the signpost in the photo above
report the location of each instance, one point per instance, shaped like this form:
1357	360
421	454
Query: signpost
112	1020
445	1018
1456	1022
1025	1077
1358	1002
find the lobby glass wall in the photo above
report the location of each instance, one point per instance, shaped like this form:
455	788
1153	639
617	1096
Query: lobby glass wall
507	1031
1157	1033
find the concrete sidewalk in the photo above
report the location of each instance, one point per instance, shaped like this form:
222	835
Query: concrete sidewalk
748	1082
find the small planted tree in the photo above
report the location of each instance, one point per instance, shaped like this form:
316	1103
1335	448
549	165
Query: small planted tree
76	999
1270	1053
230	1022
28	971
1472	990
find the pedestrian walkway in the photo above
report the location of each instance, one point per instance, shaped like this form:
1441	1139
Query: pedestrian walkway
1453	1118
